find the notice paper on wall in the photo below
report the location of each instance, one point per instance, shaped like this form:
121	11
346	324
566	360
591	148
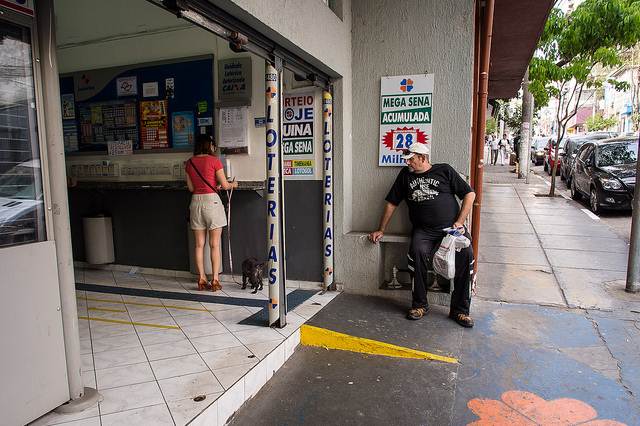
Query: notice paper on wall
150	90
234	130
120	147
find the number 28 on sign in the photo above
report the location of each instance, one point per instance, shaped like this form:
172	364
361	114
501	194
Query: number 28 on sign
402	138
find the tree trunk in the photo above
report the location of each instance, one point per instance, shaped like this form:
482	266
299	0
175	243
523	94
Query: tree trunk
525	131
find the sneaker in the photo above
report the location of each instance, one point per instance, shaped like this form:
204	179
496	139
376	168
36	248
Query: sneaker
462	319
417	313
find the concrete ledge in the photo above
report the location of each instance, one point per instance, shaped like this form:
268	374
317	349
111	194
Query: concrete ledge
386	238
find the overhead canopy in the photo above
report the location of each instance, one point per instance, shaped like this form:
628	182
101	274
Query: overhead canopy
517	27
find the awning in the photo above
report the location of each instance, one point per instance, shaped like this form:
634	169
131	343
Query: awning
517	27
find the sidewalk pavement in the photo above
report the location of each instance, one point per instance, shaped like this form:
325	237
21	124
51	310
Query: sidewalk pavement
556	340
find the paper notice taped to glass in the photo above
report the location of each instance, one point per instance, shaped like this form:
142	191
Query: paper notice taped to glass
233	127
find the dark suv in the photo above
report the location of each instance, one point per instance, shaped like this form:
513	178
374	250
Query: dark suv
571	149
605	171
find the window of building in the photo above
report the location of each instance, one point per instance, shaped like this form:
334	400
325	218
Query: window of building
21	198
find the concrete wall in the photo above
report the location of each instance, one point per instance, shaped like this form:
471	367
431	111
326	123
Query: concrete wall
395	38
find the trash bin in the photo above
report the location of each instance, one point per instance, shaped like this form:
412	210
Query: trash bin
98	239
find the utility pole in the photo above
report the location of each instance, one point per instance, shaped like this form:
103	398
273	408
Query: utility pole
525	131
633	268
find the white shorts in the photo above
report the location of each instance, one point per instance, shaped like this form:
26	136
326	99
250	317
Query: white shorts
206	212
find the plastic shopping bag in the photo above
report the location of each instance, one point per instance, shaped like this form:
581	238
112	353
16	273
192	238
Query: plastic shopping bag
444	261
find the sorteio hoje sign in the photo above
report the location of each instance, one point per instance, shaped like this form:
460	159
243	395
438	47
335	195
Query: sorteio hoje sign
405	115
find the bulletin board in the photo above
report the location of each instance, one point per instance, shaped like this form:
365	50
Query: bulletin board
141	103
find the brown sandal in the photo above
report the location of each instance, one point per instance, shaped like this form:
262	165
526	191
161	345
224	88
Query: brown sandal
202	284
215	285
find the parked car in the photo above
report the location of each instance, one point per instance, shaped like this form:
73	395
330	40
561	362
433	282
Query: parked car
550	154
21	204
605	172
571	149
537	149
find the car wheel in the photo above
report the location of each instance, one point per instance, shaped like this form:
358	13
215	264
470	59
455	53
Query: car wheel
574	191
594	202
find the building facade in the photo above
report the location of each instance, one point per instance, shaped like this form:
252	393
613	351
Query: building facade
104	99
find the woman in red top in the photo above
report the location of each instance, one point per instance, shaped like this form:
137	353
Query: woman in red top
206	212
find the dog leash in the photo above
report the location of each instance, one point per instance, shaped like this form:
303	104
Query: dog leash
229	196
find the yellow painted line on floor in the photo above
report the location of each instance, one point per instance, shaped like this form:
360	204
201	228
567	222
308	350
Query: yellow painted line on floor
142	324
328	339
151	305
106	310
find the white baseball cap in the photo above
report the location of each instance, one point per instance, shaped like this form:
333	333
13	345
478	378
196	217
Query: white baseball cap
416	148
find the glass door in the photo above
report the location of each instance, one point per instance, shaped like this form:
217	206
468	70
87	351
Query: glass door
33	367
22	215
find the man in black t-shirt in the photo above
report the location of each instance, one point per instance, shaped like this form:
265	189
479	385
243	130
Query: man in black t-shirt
430	191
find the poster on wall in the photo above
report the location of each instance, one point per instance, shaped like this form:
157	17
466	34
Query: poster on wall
297	136
153	124
119	148
233	130
70	135
127	86
68	106
234	80
182	129
150	90
405	115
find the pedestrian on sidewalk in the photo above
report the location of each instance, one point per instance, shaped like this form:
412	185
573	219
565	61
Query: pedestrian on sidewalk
430	191
503	145
494	149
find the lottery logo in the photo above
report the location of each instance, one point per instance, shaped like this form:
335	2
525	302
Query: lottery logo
289	114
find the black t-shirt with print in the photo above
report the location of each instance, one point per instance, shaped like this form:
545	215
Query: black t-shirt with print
430	196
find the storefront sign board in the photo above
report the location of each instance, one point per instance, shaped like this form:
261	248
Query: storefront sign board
405	115
234	80
298	135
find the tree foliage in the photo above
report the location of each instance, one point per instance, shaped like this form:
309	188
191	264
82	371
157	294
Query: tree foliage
511	115
598	122
571	45
490	126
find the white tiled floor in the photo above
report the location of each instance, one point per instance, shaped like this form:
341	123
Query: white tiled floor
162	353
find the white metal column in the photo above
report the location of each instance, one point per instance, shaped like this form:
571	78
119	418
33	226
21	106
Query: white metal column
275	197
327	186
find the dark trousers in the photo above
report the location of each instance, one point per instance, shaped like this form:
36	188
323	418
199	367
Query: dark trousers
494	156
424	244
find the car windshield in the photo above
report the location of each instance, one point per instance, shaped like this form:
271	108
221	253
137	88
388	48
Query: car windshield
618	153
540	143
577	143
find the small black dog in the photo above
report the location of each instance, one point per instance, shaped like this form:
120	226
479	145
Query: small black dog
252	271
